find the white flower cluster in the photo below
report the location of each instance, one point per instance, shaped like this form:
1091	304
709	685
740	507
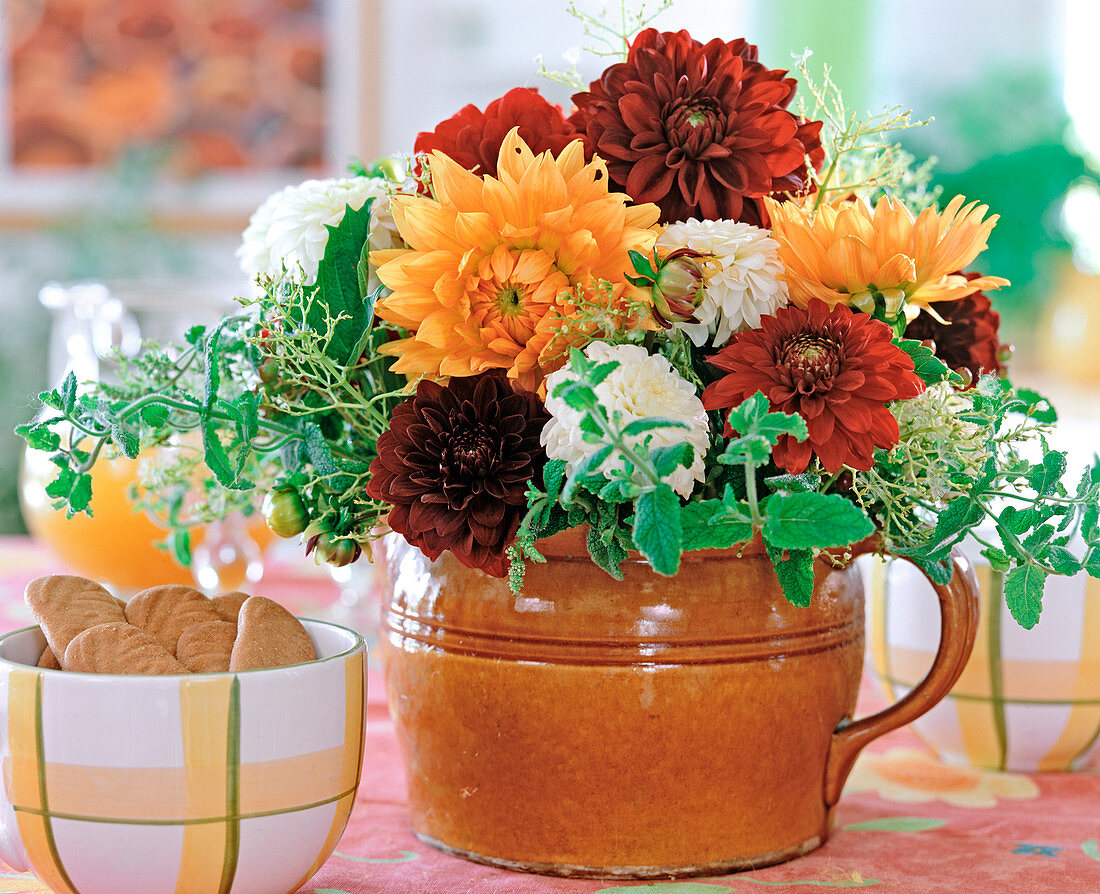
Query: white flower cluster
643	385
287	233
744	283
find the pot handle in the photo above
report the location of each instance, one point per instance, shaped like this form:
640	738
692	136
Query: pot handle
958	629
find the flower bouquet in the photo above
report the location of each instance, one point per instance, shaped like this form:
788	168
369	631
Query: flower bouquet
710	310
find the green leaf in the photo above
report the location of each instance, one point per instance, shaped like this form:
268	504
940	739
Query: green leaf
39	436
338	296
576	395
803	483
998	559
553	476
317	449
649	423
1017	520
1041	409
68	394
752	448
194	335
595	375
1092	563
958	517
154	415
1024	594
179	544
668	459
896	824
795	573
80	497
126	439
642	264
586	467
52	399
1044	477
701	531
658	532
926	364
1060	559
804	520
604	546
752	417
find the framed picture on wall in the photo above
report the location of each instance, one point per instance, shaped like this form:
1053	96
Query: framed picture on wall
217	102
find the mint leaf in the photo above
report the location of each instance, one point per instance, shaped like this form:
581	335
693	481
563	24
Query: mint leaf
1024	594
796	483
39	436
658	532
751	448
926	364
752	417
1044	477
553	476
1040	409
649	423
126	439
804	520
795	573
338	300
1060	559
68	394
667	460
194	335
701	531
998	559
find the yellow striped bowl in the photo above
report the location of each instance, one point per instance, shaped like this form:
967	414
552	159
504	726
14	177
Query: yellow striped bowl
1028	700
193	784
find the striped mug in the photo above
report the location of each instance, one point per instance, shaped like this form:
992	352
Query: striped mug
1028	700
227	782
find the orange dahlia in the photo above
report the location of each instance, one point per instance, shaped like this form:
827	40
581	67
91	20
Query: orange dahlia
845	253
493	262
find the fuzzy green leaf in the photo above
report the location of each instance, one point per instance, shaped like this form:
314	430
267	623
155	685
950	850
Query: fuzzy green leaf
338	296
642	265
68	394
752	417
553	476
1060	559
1024	594
154	415
39	436
1092	562
1044	477
668	459
795	573
597	374
803	483
586	467
804	520
649	423
751	448
126	439
1040	409
998	559
925	363
194	335
658	532
701	531
960	515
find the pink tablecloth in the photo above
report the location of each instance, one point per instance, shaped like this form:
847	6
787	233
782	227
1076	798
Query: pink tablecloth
906	823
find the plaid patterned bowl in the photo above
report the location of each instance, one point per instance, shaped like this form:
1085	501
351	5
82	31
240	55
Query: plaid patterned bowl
232	782
1028	700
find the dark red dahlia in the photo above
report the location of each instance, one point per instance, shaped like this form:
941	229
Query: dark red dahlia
455	465
969	340
701	130
473	138
836	368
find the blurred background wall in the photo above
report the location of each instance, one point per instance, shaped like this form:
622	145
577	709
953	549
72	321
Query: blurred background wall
137	135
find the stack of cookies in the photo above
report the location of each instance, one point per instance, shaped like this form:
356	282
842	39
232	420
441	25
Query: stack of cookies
162	630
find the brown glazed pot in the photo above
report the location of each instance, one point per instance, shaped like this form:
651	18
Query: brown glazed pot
653	727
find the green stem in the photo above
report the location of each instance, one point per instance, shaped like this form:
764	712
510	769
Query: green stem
750	494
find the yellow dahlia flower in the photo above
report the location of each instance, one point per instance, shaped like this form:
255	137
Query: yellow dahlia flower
844	253
493	261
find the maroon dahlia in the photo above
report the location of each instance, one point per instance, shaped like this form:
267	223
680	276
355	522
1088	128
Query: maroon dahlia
700	130
455	465
969	340
837	369
473	138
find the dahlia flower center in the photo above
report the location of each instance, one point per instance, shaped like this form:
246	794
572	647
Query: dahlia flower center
510	301
810	359
698	120
470	453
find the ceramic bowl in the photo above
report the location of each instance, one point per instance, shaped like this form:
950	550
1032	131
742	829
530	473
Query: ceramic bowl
231	782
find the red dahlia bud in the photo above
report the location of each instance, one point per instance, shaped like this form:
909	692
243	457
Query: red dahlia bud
679	289
268	370
285	513
337	552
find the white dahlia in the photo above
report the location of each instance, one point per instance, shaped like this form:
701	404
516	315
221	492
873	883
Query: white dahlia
643	385
287	232
742	283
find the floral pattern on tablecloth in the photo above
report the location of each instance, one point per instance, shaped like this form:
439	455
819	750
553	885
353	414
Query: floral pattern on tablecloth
910	776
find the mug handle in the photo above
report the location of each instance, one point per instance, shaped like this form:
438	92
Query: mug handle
958	629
